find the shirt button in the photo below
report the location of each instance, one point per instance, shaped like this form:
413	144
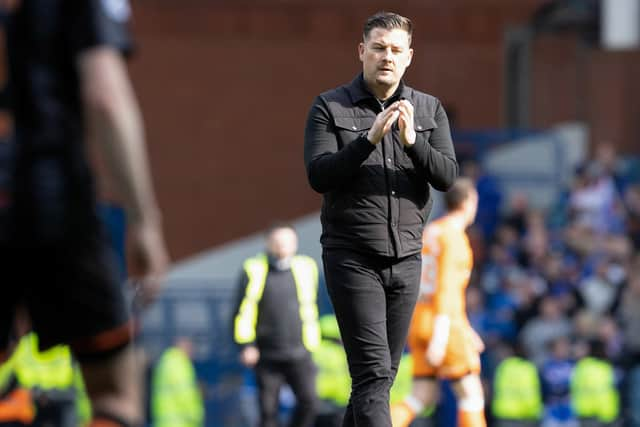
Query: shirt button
389	159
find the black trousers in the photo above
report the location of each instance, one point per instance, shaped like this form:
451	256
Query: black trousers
300	375
373	298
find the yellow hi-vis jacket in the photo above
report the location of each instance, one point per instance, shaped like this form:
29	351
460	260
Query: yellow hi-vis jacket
333	382
305	275
516	390
593	390
52	369
175	396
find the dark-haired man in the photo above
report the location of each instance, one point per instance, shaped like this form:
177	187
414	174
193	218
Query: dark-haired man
372	148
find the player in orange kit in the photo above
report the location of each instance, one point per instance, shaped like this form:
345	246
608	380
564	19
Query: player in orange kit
442	342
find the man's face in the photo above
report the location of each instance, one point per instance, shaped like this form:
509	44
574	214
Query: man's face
282	243
385	56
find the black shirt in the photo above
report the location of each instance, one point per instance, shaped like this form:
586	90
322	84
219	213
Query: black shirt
279	326
376	199
52	189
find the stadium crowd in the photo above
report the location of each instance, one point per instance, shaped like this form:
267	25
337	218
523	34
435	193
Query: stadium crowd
559	286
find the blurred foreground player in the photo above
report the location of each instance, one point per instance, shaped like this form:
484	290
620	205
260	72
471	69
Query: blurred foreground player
68	83
442	342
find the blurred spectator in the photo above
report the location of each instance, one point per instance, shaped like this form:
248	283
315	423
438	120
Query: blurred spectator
606	156
632	206
476	312
594	396
54	382
496	273
585	325
540	331
176	400
535	242
489	196
276	325
628	314
516	217
611	338
594	201
527	290
580	239
546	279
555	376
502	257
517	395
633	400
598	292
558	277
333	382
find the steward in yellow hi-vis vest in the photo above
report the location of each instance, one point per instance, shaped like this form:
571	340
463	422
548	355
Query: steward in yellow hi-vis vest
305	275
517	396
176	400
333	381
594	395
593	390
54	381
276	324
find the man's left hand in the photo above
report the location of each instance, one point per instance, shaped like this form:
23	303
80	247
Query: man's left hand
405	123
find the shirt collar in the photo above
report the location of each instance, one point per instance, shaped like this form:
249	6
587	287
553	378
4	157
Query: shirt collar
359	91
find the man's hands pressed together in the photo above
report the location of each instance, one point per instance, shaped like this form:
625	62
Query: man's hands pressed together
401	111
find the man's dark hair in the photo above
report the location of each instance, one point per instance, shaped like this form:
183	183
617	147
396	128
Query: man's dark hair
458	193
388	21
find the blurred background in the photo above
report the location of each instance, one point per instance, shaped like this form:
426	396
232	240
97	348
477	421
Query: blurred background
543	97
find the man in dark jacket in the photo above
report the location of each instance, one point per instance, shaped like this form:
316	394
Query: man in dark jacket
372	148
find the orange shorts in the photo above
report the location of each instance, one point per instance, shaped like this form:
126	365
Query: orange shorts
461	358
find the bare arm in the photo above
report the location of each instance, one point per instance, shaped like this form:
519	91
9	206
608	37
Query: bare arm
114	125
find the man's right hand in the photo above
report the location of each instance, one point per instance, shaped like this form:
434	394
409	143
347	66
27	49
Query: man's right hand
249	356
382	124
